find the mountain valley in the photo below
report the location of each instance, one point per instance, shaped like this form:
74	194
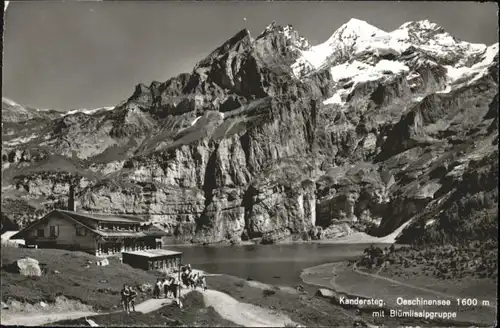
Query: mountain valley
273	138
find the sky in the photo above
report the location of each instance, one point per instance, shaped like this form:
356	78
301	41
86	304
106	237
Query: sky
88	54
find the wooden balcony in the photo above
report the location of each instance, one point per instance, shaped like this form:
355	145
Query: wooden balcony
41	239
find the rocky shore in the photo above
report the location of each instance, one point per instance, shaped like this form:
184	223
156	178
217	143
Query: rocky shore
352	280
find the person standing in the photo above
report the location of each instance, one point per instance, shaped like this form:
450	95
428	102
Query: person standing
125	293
175	287
184	277
176	291
162	287
166	286
203	282
157	289
132	297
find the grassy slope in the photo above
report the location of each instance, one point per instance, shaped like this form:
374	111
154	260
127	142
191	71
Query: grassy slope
309	311
193	313
96	286
56	164
303	309
88	285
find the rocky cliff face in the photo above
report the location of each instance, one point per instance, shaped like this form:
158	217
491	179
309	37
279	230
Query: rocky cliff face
272	137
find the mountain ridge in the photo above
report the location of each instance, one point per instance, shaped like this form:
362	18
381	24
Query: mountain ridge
258	142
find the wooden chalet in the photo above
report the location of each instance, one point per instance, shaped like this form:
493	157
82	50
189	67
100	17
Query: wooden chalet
98	234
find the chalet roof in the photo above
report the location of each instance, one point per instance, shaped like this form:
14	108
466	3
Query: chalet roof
79	217
7	223
154	253
120	218
155	231
6	235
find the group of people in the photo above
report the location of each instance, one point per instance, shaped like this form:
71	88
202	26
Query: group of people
129	294
191	279
169	287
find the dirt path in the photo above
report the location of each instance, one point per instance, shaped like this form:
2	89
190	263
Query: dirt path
247	315
42	319
154	304
23	319
244	314
435	292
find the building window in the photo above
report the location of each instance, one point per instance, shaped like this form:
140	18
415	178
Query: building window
81	231
54	231
40	233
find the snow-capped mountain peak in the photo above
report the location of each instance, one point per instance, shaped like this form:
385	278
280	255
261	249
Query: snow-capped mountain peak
337	48
354	29
357	38
9	101
14	112
423	25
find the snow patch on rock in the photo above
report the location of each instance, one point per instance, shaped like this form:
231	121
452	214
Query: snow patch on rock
336	98
9	101
457	74
359	72
88	111
195	120
430	222
20	140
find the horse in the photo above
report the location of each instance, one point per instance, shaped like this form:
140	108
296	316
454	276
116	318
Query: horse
190	279
193	280
185	279
198	281
201	282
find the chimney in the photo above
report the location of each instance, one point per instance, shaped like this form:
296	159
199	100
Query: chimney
71	199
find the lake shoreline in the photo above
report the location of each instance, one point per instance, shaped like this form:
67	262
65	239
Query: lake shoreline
353	238
341	241
344	279
331	284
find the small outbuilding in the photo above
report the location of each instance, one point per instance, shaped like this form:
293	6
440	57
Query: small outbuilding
154	259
